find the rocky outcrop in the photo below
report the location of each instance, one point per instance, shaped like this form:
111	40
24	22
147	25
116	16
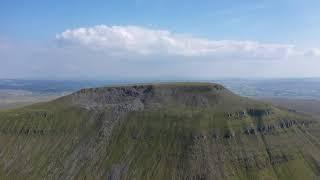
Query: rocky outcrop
270	128
252	112
259	112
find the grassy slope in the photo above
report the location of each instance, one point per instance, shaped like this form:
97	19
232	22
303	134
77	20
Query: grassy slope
189	136
301	105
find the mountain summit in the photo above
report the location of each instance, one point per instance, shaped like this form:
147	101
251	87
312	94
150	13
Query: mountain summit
158	131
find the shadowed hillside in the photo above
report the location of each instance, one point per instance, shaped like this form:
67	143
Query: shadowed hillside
157	131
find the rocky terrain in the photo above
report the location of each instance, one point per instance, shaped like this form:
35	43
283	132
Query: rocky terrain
158	131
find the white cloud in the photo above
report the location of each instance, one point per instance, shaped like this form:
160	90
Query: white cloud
131	52
144	41
313	52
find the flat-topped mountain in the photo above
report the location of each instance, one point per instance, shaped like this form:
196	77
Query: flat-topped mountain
158	131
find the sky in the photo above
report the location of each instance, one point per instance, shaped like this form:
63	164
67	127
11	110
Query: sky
159	40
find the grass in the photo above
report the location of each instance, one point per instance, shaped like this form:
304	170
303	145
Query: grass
180	139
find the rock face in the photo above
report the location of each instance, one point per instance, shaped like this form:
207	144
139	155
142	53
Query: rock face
158	131
136	96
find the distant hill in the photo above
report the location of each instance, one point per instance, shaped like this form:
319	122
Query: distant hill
309	106
19	98
158	131
300	88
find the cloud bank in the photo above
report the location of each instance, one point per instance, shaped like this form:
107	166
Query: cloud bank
132	52
143	41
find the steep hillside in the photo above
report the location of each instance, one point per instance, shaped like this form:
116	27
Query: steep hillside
159	131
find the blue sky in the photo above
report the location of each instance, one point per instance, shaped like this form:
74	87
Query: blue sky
270	20
32	27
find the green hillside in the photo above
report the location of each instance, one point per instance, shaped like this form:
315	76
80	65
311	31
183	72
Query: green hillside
158	131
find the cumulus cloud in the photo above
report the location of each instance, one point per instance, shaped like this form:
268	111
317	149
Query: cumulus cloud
131	52
145	41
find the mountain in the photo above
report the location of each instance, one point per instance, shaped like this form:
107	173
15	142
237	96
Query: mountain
158	131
